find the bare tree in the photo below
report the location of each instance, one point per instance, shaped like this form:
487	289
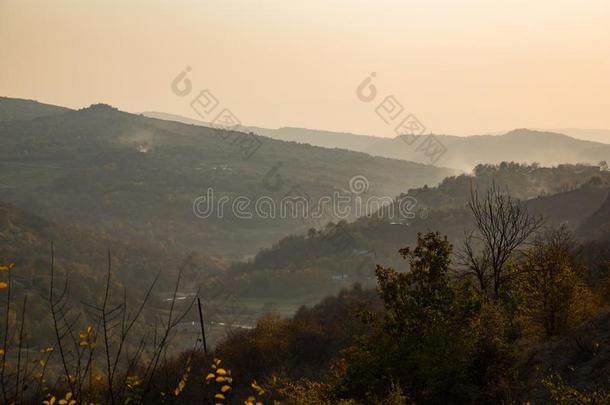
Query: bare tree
502	225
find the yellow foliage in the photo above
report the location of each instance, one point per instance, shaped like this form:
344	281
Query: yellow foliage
67	400
259	390
87	337
184	379
7	267
50	401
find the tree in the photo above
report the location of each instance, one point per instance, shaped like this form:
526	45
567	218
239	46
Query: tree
413	297
502	225
422	340
550	284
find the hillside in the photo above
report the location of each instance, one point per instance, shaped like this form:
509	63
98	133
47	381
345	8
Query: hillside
81	252
346	253
138	177
581	358
12	109
597	226
463	152
81	261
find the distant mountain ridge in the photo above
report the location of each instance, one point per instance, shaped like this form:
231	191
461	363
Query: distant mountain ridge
596	135
463	152
520	145
326	139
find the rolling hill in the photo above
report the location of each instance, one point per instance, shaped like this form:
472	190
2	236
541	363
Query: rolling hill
462	152
137	177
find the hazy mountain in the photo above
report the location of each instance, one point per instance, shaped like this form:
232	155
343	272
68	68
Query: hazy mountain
138	177
18	109
463	153
521	145
597	135
327	139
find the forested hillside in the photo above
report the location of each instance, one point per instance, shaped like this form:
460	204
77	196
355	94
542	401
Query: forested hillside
344	253
136	176
15	109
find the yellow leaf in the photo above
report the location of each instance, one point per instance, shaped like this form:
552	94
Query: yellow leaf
219	396
221	371
7	267
258	388
50	401
3	285
225	388
210	376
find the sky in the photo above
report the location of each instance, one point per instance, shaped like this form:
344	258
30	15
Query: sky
460	67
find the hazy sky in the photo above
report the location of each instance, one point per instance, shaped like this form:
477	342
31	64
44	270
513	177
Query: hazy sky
460	66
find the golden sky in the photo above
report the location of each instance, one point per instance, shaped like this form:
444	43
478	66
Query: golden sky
460	66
